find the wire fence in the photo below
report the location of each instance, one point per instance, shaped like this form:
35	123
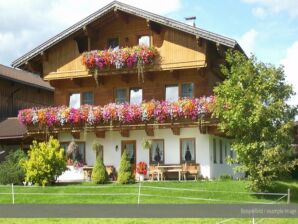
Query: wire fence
139	193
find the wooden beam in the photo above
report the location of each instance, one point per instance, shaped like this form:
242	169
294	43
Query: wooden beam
149	76
125	78
77	82
75	134
175	130
155	27
203	129
175	74
44	56
149	131
124	133
100	134
89	32
199	40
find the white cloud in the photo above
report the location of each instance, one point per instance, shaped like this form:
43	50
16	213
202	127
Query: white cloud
247	41
291	69
25	24
276	6
259	12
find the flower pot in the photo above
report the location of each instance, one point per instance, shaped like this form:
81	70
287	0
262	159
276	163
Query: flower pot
141	177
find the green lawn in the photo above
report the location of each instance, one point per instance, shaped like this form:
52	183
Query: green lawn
151	192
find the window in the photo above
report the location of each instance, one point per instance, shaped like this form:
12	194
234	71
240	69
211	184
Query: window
187	90
214	151
75	100
157	152
144	40
231	153
82	43
78	152
220	152
136	96
172	93
187	150
121	95
113	43
87	98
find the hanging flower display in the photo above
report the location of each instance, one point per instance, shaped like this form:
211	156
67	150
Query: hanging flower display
137	56
147	112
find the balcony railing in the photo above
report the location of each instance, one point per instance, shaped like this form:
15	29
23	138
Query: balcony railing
151	112
136	57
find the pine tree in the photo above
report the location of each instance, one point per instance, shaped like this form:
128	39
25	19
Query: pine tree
99	173
125	175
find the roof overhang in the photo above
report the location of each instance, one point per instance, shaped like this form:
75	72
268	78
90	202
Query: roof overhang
219	39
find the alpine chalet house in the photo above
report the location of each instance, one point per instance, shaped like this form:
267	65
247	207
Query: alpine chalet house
128	79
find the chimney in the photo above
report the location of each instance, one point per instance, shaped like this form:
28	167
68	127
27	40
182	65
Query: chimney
191	18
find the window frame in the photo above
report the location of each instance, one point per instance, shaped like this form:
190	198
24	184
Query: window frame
84	143
127	94
170	85
195	157
71	93
179	88
132	88
81	96
128	89
220	152
150	152
214	151
144	35
111	38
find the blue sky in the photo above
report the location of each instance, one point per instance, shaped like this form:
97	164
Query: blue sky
267	28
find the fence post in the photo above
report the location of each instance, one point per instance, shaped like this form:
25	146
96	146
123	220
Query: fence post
12	193
289	196
139	194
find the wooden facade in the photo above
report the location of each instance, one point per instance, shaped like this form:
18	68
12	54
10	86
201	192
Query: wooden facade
15	96
177	50
183	58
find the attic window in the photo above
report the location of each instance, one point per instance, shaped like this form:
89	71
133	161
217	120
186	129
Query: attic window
82	43
113	43
144	40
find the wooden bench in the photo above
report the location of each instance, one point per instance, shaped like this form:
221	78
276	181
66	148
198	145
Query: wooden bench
191	169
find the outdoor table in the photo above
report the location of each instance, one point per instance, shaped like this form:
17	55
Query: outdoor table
170	168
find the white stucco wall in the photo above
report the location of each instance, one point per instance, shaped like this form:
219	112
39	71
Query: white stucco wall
204	148
217	169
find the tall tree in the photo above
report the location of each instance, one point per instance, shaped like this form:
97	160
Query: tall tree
252	108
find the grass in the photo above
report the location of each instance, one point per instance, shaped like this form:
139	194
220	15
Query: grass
151	192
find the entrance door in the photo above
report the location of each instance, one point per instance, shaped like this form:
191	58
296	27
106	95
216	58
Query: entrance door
130	147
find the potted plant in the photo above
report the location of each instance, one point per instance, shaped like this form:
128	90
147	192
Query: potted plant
141	170
146	144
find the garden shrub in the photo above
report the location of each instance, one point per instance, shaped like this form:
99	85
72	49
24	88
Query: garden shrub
11	172
125	175
225	177
99	173
45	163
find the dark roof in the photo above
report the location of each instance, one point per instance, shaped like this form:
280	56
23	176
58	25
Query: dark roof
130	10
11	128
24	77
